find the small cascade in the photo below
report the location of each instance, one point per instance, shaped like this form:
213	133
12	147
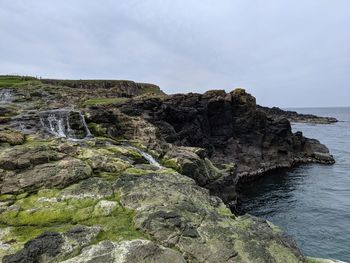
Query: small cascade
148	157
65	123
5	96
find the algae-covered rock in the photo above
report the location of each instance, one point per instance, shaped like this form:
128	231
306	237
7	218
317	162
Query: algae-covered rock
192	162
51	246
174	211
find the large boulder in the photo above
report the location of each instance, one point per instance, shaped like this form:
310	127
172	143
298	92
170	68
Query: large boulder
175	212
12	137
27	156
48	175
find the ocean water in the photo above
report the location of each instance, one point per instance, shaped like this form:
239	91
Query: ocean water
311	202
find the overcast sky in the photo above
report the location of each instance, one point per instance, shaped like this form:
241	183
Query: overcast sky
285	52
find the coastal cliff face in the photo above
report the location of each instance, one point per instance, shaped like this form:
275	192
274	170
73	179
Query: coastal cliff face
229	130
96	171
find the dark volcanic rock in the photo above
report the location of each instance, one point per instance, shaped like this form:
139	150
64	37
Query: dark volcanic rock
53	247
230	128
46	245
293	116
233	132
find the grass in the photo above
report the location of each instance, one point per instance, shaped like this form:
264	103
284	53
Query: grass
9	81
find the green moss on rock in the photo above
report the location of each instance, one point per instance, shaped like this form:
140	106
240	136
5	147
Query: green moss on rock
173	164
96	129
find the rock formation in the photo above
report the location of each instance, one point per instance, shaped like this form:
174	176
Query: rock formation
151	183
293	116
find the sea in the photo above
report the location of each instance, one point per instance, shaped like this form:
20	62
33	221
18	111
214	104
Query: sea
311	202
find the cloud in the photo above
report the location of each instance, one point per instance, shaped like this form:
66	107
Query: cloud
286	53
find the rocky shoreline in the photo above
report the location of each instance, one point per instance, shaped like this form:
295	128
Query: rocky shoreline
296	117
115	171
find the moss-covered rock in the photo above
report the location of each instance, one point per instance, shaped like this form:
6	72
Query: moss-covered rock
12	137
53	246
177	213
54	174
91	202
191	161
28	155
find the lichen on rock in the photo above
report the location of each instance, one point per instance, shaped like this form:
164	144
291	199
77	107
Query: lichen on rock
106	199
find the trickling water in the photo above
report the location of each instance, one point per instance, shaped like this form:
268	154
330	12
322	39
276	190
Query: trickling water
65	123
5	96
148	157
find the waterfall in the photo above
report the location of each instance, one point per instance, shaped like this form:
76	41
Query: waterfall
148	157
5	96
65	123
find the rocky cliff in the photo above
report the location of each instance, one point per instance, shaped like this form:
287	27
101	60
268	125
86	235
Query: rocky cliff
92	174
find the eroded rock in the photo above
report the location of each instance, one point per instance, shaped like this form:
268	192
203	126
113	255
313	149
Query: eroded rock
176	212
54	174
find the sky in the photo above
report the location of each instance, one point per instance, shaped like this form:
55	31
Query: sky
290	53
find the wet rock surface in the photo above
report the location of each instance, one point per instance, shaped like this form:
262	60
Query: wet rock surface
152	184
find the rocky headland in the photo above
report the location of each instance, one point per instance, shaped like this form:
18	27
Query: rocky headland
118	171
296	117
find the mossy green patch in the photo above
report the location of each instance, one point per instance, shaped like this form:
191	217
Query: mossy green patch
48	211
34	142
108	176
118	226
225	211
96	129
25	233
173	164
128	152
7	197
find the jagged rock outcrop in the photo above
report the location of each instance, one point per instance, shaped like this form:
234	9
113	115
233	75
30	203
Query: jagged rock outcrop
228	126
294	116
